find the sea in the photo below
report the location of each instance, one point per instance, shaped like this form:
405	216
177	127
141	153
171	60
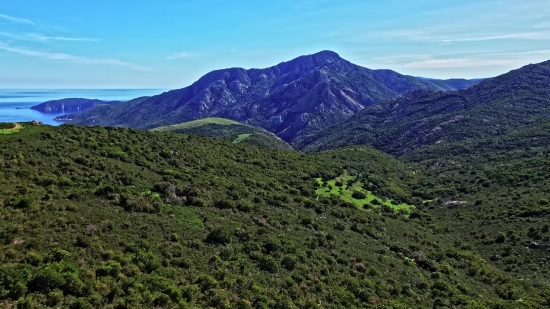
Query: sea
15	104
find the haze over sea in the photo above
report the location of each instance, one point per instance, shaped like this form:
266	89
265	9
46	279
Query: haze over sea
15	104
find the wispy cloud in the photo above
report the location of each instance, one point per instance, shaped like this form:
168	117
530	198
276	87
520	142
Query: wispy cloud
13	36
542	26
537	35
436	35
69	57
181	55
472	60
17	20
38	37
44	38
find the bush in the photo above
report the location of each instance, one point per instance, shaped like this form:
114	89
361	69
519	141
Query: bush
112	268
54	298
289	262
359	195
13	281
218	237
33	258
48	278
269	264
6	125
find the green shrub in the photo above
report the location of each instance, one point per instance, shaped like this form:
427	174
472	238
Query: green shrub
289	262
269	264
14	280
359	195
111	268
218	237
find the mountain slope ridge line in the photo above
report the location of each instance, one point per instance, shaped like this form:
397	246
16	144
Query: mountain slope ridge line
291	99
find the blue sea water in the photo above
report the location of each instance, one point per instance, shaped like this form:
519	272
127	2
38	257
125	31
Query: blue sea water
15	103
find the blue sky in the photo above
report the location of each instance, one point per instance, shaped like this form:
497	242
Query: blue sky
169	44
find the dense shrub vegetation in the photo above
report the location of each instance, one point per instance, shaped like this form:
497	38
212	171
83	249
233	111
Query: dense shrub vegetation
119	218
493	194
6	125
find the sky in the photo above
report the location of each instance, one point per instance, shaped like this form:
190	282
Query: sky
168	44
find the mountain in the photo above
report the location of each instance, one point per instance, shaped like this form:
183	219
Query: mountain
94	217
493	107
229	130
290	99
454	83
100	114
70	105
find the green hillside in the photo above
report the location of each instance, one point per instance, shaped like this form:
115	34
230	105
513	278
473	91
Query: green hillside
94	217
196	123
505	183
9	128
229	130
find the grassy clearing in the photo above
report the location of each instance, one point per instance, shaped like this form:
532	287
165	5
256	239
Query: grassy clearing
186	217
344	187
197	123
241	138
10	128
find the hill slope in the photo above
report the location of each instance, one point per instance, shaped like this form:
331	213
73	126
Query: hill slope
290	99
493	107
504	182
69	105
99	217
229	130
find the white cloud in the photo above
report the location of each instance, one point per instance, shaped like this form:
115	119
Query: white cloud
69	57
180	55
38	37
442	35
471	60
539	35
17	20
43	38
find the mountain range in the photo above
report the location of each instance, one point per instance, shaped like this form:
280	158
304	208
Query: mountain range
493	107
292	99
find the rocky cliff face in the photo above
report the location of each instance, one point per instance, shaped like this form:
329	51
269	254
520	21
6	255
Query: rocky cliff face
291	99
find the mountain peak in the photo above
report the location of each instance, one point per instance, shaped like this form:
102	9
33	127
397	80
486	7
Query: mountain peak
322	58
327	54
309	62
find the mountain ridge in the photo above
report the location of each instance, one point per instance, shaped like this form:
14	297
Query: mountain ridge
292	98
490	108
229	130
